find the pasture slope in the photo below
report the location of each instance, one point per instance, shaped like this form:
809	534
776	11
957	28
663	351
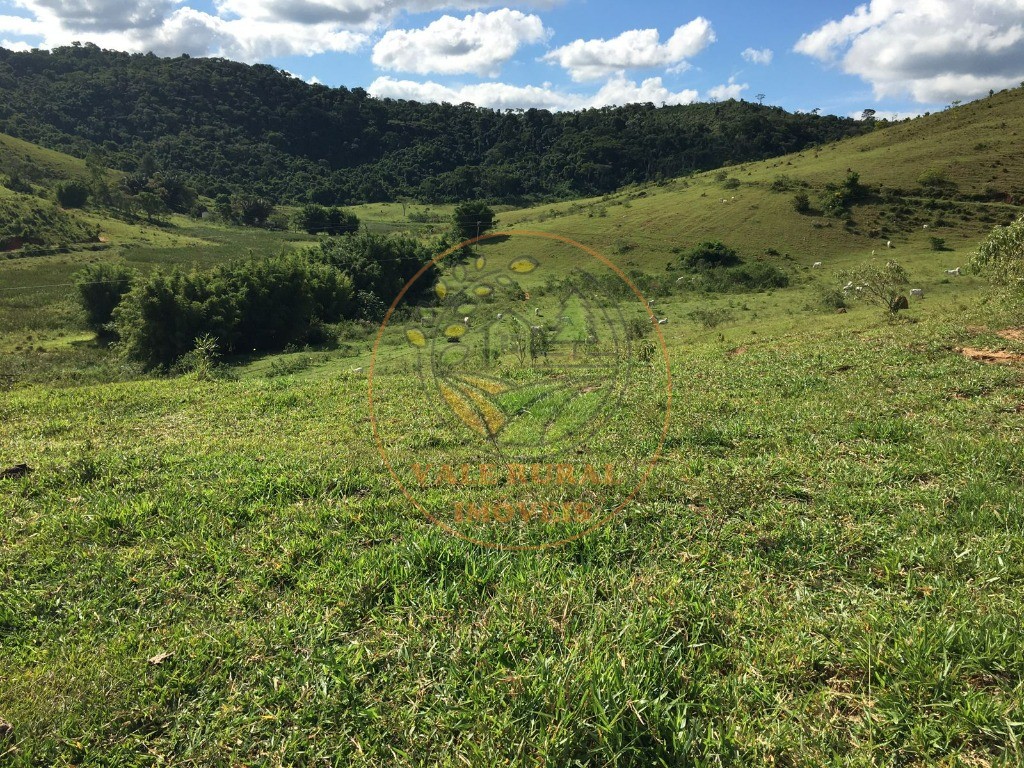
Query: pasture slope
826	568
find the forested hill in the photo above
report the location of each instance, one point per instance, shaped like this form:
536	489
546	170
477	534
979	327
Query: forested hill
227	126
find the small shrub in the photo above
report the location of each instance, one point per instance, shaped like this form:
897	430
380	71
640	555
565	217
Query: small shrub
882	285
711	317
801	202
709	254
937	243
101	287
72	194
203	361
833	299
933	178
15	183
637	328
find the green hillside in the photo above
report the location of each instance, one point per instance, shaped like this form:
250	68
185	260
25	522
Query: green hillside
974	147
27	222
37	165
228	127
825	566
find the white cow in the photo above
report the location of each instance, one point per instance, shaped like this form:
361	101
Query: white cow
816	265
663	321
888	244
918	292
953	271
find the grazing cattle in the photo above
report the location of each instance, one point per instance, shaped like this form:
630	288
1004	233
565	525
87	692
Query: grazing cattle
859	288
925	226
816	265
536	311
499	316
680	279
888	244
872	253
917	292
465	320
900	303
357	370
847	287
663	321
953	271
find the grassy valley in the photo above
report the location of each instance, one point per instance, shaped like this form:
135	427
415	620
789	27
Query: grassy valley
824	568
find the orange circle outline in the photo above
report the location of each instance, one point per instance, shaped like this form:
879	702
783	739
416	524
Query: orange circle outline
668	391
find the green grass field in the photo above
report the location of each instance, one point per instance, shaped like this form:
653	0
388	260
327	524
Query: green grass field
824	567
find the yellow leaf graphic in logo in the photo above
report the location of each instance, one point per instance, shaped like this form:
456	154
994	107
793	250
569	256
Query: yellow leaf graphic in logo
416	337
481	263
490	386
475	410
483	291
455	331
441	290
523	265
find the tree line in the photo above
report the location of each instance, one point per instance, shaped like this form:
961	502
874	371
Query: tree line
226	128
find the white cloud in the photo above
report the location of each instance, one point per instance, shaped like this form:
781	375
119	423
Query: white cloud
107	15
618	90
478	43
755	56
248	30
933	50
730	90
633	49
15	45
493	95
172	31
18	25
366	14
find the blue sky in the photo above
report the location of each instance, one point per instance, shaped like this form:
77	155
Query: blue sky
900	57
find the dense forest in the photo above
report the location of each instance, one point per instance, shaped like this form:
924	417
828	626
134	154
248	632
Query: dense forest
226	126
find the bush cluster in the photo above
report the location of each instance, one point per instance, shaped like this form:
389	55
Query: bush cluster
719	269
318	219
264	305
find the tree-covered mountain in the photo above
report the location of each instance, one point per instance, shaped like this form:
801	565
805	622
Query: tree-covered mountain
227	126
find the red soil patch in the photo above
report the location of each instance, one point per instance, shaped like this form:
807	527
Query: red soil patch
1011	334
994	356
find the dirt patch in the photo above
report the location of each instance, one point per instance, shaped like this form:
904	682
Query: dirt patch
103	239
736	351
993	356
1011	334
